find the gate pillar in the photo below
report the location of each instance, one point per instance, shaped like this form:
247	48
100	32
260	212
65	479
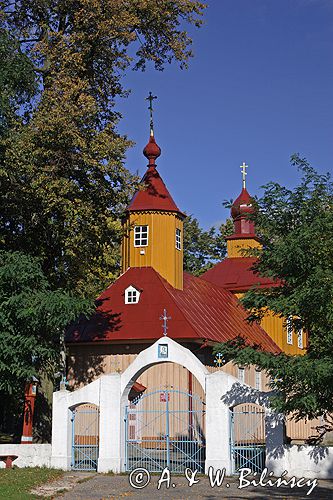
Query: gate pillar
217	423
61	431
275	450
110	424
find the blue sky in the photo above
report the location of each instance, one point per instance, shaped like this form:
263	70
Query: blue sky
259	88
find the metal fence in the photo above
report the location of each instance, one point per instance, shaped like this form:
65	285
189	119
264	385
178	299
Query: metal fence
248	439
85	437
165	428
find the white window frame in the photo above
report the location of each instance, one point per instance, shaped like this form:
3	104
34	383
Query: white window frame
132	295
241	374
289	328
300	343
178	238
141	234
258	380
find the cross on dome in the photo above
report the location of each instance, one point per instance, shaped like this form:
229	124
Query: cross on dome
244	173
150	98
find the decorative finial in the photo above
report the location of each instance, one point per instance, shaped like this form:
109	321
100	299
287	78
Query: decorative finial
165	319
244	173
219	360
150	98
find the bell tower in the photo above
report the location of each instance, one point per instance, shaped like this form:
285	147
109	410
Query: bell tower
244	236
153	226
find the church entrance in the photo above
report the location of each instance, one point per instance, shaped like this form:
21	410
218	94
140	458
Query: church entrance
165	427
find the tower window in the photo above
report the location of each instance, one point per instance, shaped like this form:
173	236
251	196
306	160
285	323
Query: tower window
300	338
141	236
289	330
132	295
178	239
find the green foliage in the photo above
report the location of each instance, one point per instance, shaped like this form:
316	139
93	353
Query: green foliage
17	80
203	249
296	229
32	318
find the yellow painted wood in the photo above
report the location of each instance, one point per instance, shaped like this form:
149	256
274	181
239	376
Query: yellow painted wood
161	252
235	248
276	329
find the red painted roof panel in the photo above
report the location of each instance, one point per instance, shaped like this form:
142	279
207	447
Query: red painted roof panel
235	274
155	195
200	311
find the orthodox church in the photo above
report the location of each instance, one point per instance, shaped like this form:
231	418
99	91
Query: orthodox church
154	296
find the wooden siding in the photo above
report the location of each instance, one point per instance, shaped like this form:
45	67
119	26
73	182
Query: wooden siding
161	252
236	247
276	329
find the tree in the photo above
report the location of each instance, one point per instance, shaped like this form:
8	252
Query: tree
63	185
296	230
32	318
17	81
202	249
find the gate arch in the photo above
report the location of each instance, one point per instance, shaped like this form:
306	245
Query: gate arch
85	436
172	439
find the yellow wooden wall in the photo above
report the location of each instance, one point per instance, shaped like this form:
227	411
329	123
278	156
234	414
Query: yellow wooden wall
276	329
161	252
236	247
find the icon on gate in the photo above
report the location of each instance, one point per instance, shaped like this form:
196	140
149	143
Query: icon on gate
163	397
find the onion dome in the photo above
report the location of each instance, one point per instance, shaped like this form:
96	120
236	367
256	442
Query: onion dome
242	205
152	150
241	211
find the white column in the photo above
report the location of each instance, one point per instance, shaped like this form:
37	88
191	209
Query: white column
217	424
61	431
109	424
276	453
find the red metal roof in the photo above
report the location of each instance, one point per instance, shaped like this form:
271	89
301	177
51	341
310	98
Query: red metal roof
200	311
155	195
236	275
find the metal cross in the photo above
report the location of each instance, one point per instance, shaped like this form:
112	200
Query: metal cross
165	319
244	173
219	360
150	98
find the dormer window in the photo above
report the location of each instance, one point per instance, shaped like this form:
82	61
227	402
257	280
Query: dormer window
132	295
141	236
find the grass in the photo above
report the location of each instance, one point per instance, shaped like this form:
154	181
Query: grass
15	484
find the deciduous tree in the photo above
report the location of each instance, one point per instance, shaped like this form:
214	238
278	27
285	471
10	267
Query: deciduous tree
64	185
296	230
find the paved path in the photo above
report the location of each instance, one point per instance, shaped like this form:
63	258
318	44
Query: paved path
109	487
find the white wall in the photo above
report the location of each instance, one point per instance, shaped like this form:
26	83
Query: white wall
29	455
303	461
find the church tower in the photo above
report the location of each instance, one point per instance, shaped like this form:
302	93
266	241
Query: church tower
244	236
153	227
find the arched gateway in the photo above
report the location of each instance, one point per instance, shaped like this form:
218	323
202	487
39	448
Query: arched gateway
165	426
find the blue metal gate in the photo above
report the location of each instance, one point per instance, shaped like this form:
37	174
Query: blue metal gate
248	439
165	428
85	437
